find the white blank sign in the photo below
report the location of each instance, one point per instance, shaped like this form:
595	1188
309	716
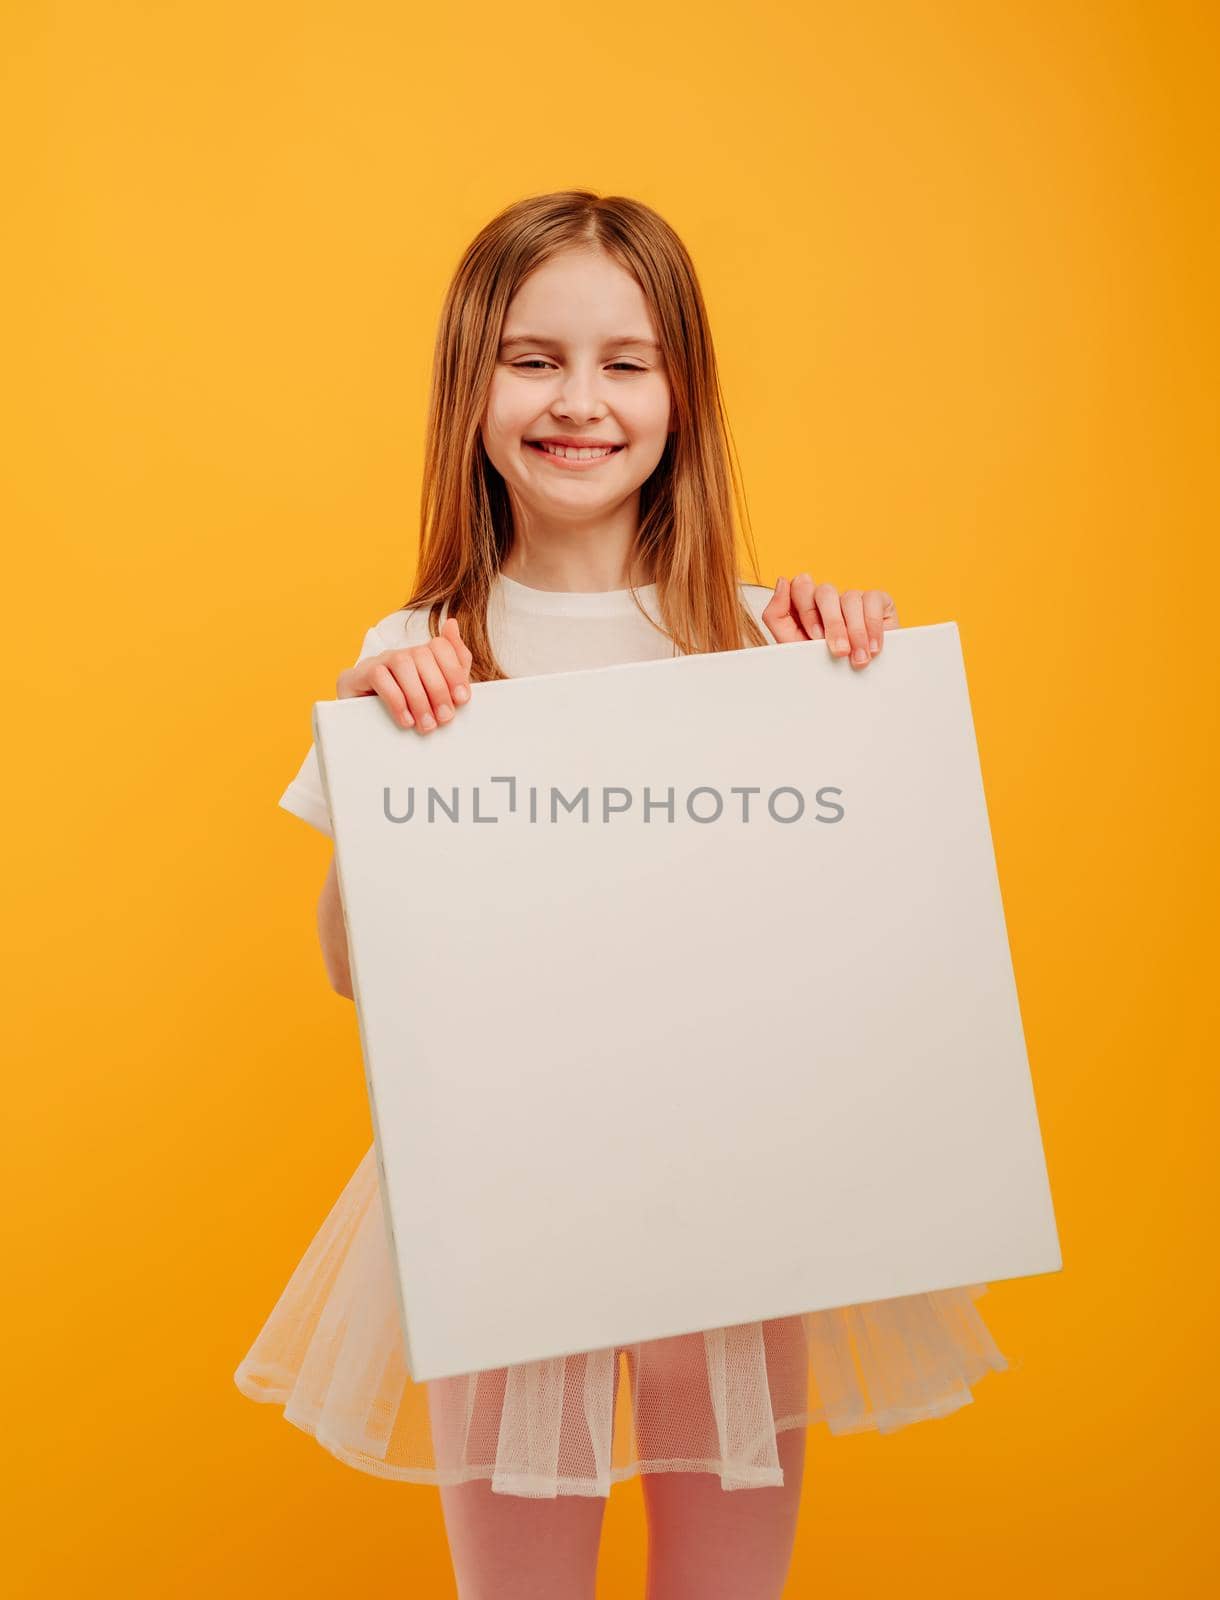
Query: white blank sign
640	1069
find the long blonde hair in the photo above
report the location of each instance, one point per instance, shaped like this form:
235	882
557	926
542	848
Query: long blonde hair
686	536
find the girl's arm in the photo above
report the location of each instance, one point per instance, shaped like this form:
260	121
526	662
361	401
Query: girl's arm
421	686
333	935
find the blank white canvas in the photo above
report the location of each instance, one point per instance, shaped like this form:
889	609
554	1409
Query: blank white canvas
630	1078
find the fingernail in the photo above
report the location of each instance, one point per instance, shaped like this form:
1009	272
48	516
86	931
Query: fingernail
427	722
859	654
461	693
873	647
444	713
842	647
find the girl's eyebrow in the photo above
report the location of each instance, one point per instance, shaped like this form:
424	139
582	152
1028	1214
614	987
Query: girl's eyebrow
537	339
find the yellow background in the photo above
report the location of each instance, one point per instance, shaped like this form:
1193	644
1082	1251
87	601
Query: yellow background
961	262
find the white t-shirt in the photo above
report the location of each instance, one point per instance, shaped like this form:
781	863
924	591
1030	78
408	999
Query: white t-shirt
532	631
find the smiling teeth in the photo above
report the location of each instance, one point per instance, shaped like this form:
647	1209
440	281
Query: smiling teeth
576	455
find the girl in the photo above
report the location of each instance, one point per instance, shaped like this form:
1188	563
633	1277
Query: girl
578	512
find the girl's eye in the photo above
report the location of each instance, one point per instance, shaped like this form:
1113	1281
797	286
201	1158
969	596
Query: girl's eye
623	366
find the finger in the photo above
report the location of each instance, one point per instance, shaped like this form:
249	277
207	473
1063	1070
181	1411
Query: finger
453	667
452	630
383	683
874	618
803	592
355	682
852	603
402	664
777	614
827	597
434	682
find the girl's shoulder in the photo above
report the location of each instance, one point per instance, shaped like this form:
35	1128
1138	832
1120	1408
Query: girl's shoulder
406	626
756	598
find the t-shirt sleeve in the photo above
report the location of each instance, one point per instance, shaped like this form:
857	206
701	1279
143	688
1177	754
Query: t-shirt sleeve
305	796
756	599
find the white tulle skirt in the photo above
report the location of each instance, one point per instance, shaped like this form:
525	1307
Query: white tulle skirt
331	1354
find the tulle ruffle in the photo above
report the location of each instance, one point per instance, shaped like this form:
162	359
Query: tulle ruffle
330	1353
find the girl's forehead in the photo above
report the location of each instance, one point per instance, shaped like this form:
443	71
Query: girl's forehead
579	301
583	287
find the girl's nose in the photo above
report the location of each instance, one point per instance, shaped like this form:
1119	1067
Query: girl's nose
573	403
578	396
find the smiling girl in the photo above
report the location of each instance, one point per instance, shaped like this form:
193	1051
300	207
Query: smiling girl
578	511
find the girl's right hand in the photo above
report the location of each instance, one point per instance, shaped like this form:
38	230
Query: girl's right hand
421	684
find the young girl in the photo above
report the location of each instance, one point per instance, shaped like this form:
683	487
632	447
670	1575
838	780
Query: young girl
578	512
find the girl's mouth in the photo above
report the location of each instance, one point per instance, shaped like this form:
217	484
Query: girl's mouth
570	459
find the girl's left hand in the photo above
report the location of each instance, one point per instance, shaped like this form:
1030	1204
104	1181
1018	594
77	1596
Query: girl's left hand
851	621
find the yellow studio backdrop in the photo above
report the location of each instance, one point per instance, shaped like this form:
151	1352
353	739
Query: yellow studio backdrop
961	263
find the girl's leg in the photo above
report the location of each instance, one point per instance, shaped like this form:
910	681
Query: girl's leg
513	1547
708	1543
507	1547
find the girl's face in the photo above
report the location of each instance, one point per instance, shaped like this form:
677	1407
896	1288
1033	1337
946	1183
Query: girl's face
578	362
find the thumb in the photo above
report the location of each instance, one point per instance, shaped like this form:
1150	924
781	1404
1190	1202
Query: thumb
777	614
453	633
